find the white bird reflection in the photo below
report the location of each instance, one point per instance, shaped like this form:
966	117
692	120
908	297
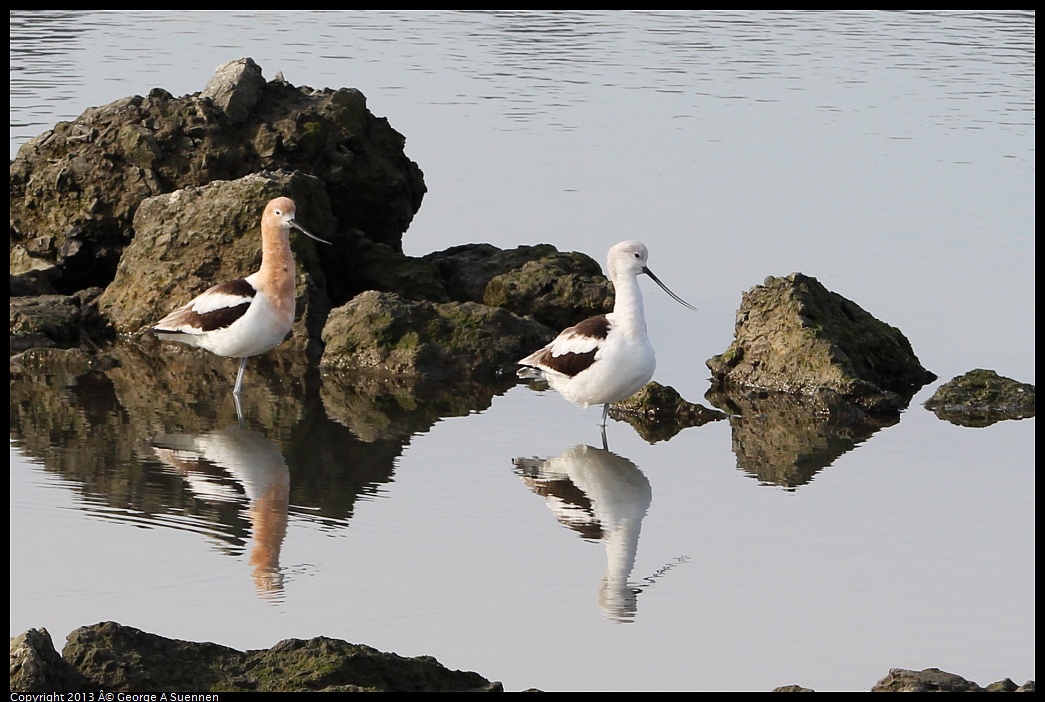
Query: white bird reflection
604	497
260	478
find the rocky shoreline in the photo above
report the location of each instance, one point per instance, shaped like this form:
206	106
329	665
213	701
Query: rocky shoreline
150	199
113	658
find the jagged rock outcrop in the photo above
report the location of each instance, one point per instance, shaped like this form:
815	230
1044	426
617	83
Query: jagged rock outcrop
76	188
37	667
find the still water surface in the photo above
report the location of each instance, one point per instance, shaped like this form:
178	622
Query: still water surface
890	155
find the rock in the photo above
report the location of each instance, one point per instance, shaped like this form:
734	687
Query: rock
980	398
55	321
31	282
467	269
191	239
1005	685
30	274
75	189
37	667
44	321
928	680
658	412
557	289
385	334
123	659
362	265
795	336
236	88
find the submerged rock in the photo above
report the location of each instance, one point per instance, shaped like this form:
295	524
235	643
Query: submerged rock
795	336
980	398
658	412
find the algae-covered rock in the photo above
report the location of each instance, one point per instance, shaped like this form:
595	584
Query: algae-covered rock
557	289
980	398
928	680
123	659
795	336
658	412
383	333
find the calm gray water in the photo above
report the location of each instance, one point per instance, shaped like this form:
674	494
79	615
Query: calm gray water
890	155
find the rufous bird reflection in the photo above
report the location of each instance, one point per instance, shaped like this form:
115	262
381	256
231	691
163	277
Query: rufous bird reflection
238	465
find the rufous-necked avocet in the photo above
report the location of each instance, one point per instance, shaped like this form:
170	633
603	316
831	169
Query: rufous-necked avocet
249	316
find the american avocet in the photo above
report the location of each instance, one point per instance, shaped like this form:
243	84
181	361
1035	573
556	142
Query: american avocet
607	358
245	317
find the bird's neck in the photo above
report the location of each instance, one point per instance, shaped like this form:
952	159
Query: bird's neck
628	313
277	265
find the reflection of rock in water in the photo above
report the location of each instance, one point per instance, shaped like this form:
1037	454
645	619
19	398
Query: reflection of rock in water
377	407
256	467
84	416
601	496
786	439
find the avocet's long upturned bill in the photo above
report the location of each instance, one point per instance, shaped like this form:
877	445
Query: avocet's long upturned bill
607	358
245	317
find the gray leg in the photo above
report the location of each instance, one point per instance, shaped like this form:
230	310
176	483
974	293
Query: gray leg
239	376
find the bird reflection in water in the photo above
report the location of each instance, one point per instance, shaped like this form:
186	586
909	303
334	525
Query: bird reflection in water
236	465
603	497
